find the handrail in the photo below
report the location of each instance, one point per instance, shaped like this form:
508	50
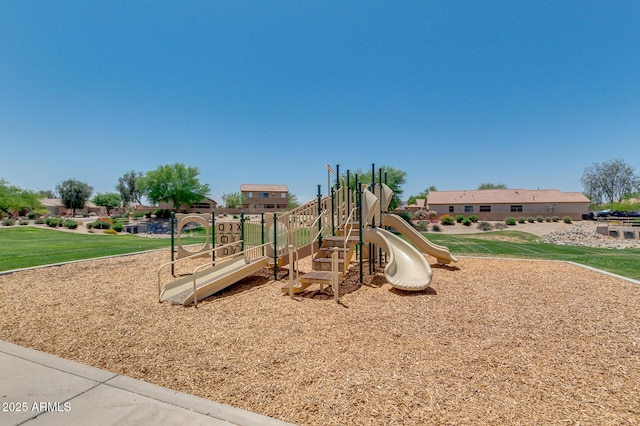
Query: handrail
193	256
353	210
292	269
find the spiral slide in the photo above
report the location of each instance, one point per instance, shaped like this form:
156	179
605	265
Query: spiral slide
407	268
441	253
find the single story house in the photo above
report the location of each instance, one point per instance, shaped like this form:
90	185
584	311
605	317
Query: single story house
56	207
203	206
264	197
498	204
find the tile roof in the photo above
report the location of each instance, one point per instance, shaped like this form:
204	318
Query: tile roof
262	187
505	196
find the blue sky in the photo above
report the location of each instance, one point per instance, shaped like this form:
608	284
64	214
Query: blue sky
455	93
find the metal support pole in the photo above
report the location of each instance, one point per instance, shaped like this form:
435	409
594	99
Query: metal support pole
333	212
172	218
275	247
262	229
319	218
242	230
361	242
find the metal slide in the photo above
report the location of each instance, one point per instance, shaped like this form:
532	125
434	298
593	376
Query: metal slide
441	253
407	268
211	280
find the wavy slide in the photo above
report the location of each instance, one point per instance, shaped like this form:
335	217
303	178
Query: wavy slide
407	268
441	253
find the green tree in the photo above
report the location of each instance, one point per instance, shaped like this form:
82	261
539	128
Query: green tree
173	182
412	199
488	185
128	188
47	193
395	179
109	200
233	200
13	199
611	180
292	201
74	194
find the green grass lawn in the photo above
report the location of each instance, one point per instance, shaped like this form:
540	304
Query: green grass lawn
23	247
524	245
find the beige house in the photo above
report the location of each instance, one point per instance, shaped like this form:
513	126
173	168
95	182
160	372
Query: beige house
204	206
497	204
265	197
56	207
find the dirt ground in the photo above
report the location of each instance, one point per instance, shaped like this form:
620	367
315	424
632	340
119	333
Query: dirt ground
490	342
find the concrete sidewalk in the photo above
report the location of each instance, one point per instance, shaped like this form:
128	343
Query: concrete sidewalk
41	389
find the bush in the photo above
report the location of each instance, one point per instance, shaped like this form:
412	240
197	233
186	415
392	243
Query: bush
117	226
8	222
447	219
555	218
530	219
499	225
422	226
24	222
147	214
53	222
162	213
485	226
459	218
566	219
547	219
101	223
110	231
466	222
511	221
473	218
420	214
521	219
404	215
39	220
540	218
71	224
436	228
138	215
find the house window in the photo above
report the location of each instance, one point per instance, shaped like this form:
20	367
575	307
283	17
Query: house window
249	194
485	209
516	209
263	195
468	209
450	209
283	195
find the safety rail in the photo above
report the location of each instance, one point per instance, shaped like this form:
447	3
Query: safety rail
348	234
250	254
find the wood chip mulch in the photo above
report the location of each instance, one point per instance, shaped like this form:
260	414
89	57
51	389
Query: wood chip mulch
490	342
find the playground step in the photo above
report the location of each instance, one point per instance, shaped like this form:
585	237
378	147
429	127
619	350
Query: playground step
298	287
324	264
317	277
327	252
338	240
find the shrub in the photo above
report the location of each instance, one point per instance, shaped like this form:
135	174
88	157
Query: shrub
420	214
521	219
547	219
39	220
555	218
117	226
24	222
422	226
459	218
432	214
147	214
404	215
71	224
466	222
511	221
485	226
110	231
102	223
436	228
162	213
530	219
138	215
540	218
566	219
447	219
53	222
499	225
9	222
473	218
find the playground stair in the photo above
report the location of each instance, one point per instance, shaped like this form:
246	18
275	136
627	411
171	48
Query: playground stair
321	263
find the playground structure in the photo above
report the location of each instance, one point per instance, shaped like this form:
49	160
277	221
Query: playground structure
332	230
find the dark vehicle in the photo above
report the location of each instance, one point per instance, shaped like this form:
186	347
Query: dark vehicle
609	213
599	214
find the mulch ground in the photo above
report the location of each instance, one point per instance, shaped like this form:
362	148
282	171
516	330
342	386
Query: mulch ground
490	342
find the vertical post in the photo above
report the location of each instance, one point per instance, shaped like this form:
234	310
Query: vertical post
348	194
319	213
333	212
172	218
214	235
242	230
262	229
275	247
359	206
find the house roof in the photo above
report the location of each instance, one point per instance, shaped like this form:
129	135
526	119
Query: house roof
505	196
248	187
